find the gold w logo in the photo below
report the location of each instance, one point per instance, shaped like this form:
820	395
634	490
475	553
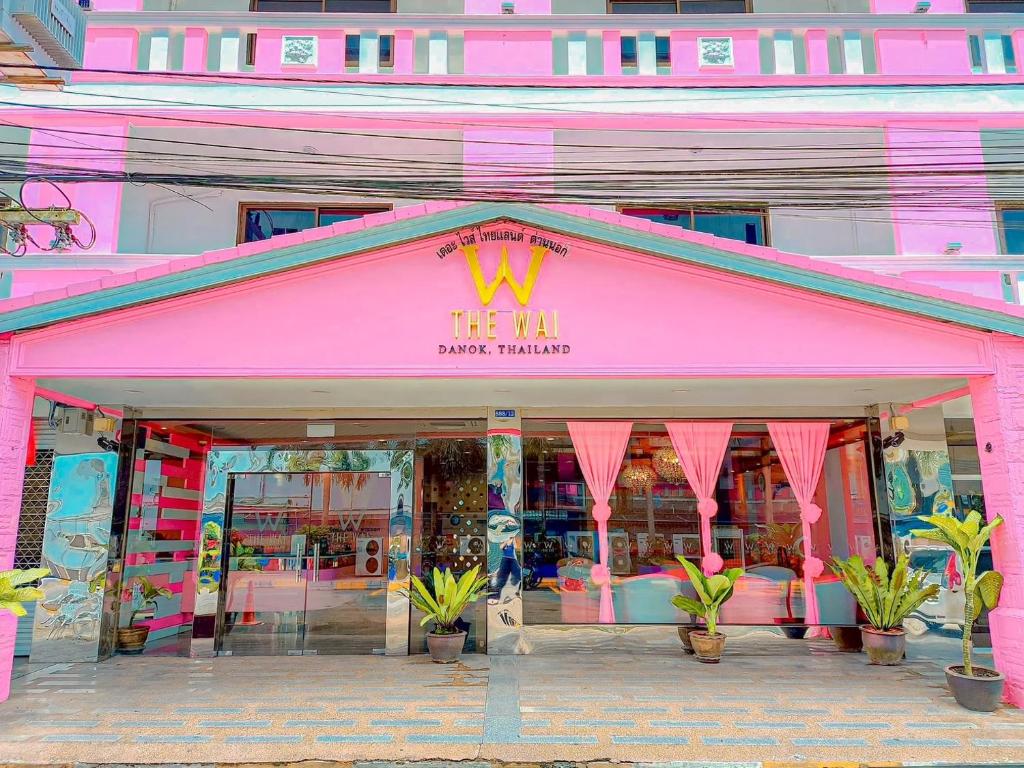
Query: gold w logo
522	291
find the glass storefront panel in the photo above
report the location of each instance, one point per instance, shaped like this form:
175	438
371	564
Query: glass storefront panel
654	520
324	535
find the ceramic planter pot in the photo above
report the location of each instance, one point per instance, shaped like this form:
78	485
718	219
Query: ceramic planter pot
132	639
707	647
847	639
684	635
977	693
884	648
445	649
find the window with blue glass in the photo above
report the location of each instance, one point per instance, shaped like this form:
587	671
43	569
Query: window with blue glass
261	222
746	224
995	6
679	6
1011	222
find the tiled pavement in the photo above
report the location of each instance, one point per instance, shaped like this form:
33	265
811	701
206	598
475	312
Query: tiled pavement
771	699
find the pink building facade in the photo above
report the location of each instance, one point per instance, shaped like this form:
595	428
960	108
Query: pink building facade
364	279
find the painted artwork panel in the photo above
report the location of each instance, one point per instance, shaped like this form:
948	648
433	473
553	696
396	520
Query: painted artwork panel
504	537
67	619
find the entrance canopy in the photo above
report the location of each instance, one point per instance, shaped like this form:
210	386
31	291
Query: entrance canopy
496	292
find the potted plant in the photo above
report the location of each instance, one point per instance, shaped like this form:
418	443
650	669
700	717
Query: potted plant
132	639
711	593
886	600
443	603
976	688
13	592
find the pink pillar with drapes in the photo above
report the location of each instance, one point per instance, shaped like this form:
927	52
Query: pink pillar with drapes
701	447
801	448
600	448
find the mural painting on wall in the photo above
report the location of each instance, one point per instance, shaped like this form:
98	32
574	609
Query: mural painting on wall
67	619
354	467
919	482
504	528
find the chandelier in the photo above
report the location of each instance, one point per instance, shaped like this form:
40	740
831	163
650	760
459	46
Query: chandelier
666	464
640	477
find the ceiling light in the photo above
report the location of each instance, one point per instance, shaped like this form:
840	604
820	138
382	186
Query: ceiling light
680	390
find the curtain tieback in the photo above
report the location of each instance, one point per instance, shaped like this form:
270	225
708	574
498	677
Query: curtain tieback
600	574
810	513
601	512
813	567
707	507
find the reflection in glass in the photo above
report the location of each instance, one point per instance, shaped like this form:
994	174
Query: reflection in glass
654	520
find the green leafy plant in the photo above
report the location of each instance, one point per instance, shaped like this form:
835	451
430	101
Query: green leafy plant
13	592
967	538
712	592
149	592
445	599
886	598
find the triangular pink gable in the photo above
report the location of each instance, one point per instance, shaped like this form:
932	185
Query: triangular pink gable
607	312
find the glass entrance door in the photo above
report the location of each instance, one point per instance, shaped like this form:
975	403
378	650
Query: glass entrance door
305	563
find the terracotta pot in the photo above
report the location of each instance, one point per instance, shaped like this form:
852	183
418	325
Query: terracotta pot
707	647
979	694
132	639
884	648
847	639
446	649
684	635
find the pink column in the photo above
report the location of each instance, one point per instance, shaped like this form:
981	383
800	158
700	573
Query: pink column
999	420
15	419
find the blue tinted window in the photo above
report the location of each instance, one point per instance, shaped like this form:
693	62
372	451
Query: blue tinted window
628	51
1012	221
746	226
264	223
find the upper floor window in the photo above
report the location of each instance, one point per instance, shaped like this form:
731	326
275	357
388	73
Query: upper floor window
262	221
1011	227
322	6
679	6
995	6
748	224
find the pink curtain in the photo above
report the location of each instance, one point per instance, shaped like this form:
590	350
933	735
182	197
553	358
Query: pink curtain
801	447
600	448
701	447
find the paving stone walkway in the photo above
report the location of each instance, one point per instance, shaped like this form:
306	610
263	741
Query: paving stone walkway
771	699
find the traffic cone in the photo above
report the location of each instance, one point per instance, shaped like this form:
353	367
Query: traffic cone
249	614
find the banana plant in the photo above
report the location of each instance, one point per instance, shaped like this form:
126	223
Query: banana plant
13	593
711	593
886	598
967	538
445	599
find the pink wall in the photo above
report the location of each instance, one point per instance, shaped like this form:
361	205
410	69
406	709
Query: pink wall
988	284
907	6
99	201
523	7
920	52
1000	428
29	281
509	159
811	335
116	48
931	211
493	52
16	397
